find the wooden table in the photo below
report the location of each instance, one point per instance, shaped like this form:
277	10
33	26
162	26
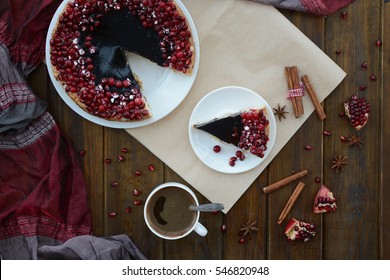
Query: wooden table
359	229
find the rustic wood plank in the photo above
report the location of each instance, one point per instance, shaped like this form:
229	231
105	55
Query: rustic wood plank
130	173
38	81
293	157
251	207
194	246
87	136
385	150
352	232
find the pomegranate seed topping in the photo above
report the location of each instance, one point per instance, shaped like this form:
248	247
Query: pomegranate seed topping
121	158
82	153
317	179
112	214
344	15
124	150
114	184
217	149
137	202
327	133
136	192
107	161
128	209
137	173
223	228
364	65
308	147
241	241
372	77
151	167
378	43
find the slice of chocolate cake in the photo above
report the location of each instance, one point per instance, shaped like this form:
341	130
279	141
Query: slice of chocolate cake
247	130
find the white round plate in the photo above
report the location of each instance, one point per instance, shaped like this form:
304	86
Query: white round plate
220	103
163	88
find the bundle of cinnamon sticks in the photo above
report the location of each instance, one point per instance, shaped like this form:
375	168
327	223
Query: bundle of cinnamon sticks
296	87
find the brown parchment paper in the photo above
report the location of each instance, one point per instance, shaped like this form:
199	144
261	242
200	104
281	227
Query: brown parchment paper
245	44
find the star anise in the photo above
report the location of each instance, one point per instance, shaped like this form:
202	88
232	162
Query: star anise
248	228
280	112
339	162
354	140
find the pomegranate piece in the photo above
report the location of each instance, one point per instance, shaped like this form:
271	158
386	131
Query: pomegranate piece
324	202
357	109
297	230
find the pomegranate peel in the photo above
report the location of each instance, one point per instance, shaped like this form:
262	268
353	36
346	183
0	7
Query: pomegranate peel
324	202
298	230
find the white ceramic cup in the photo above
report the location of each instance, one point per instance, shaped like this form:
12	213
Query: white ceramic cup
196	226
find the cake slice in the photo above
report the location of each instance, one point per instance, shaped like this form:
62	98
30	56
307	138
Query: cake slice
247	129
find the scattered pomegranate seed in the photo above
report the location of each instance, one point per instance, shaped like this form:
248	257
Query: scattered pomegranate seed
363	87
151	167
232	162
378	43
308	147
82	153
112	214
128	209
327	133
137	173
242	157
233	159
238	154
216	149
124	150
136	192
137	202
344	15
317	179
343	138
372	77
364	65
114	184
107	161
214	212
223	228
121	158
338	51
341	114
241	240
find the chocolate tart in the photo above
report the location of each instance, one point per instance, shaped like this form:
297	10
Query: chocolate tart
247	129
88	52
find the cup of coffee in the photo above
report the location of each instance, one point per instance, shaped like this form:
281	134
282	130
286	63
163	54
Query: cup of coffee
167	212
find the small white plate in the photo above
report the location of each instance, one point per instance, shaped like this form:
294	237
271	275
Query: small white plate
219	103
163	88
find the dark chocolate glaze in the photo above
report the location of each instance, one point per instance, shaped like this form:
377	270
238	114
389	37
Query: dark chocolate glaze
227	129
120	30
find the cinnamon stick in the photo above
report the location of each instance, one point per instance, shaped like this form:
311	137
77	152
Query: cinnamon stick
313	96
277	185
290	86
297	85
292	78
291	201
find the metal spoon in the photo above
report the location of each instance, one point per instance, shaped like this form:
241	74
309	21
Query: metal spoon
208	207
